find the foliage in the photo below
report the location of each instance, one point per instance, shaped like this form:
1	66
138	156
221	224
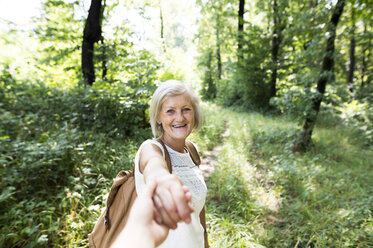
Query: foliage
59	151
213	126
248	86
58	45
263	195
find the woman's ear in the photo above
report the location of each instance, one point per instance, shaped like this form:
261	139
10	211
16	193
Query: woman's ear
158	121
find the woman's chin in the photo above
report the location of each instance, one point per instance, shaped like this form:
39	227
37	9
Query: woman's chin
180	134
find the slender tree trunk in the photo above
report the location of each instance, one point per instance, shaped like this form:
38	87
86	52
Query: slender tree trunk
326	75
104	60
241	12
218	54
276	41
162	27
211	87
350	79
366	56
91	35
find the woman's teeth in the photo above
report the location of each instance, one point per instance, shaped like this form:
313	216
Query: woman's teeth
177	126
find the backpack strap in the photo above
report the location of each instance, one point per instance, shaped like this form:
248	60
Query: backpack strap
193	152
197	160
166	155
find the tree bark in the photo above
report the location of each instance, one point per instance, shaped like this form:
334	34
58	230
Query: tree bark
365	79
218	54
92	34
350	79
211	87
325	76
276	41
241	12
104	60
162	27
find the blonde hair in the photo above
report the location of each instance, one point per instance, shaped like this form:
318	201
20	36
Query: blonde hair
173	88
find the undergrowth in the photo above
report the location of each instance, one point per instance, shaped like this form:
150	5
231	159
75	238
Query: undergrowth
263	195
59	151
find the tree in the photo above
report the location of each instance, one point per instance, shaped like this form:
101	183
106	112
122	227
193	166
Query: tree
278	27
241	12
351	69
214	39
59	49
325	76
218	44
91	35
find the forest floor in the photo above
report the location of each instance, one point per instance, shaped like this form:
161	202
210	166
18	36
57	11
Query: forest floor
261	194
210	156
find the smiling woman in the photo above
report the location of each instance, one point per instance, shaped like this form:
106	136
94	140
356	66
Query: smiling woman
174	114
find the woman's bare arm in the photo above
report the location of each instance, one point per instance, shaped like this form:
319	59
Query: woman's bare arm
170	200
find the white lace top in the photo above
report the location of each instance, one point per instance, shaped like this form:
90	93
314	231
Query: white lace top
186	235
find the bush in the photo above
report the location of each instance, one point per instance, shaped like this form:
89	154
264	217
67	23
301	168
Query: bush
59	150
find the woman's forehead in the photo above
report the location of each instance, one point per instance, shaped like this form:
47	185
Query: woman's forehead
182	99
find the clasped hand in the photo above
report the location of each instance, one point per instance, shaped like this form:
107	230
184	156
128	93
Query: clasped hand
172	201
149	222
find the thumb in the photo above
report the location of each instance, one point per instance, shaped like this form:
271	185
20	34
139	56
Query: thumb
149	189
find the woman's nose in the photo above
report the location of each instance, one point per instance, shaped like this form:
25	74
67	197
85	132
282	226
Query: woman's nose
179	116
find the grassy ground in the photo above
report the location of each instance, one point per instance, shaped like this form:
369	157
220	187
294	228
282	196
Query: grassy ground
263	195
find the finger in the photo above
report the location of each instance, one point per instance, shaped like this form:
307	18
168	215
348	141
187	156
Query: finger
188	195
190	207
185	188
168	204
157	216
181	203
164	217
149	190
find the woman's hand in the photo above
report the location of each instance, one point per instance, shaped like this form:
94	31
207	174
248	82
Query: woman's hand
172	201
141	229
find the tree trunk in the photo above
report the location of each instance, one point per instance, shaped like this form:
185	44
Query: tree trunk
276	41
325	76
162	27
104	60
366	56
218	54
91	35
350	79
211	87
241	11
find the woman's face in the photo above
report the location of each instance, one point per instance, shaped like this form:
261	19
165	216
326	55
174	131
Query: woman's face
177	117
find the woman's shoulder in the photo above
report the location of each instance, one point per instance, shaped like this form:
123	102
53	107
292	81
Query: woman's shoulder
150	144
194	144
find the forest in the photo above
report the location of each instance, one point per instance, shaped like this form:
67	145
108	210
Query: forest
286	89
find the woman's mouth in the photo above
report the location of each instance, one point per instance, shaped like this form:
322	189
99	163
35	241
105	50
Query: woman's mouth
179	126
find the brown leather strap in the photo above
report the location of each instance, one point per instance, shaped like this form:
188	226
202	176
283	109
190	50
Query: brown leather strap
193	152
166	155
202	218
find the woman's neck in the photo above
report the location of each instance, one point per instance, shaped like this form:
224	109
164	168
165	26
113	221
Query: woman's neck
176	145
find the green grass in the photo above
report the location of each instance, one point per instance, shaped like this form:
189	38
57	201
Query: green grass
263	195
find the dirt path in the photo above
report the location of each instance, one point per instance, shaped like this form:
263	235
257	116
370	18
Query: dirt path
211	157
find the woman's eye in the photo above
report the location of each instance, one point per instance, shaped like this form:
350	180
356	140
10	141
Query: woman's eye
170	111
187	109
